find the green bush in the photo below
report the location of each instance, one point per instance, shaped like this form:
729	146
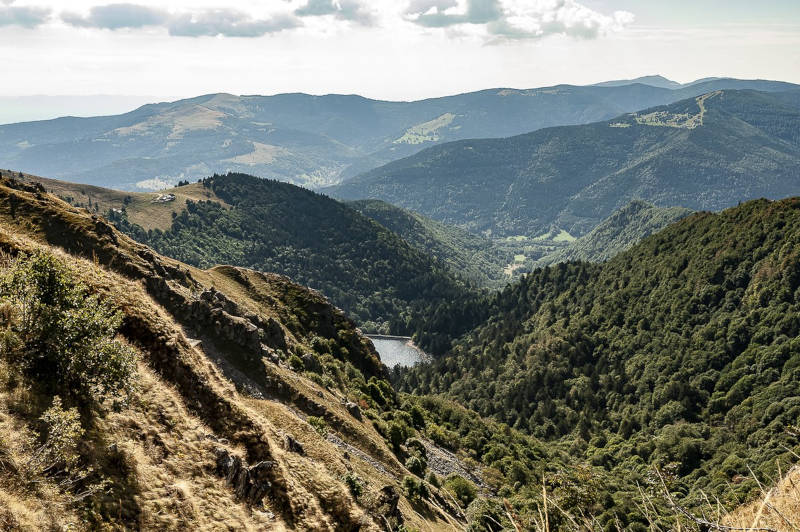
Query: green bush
398	433
319	425
462	489
416	466
63	432
296	363
415	489
354	484
56	332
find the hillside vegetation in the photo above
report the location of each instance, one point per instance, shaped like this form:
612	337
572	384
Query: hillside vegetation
678	354
137	392
367	270
709	152
474	257
624	228
229	398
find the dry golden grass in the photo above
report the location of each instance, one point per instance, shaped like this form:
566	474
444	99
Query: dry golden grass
141	208
778	508
160	451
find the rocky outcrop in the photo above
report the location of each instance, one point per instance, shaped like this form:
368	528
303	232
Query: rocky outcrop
293	445
353	410
386	507
251	484
212	312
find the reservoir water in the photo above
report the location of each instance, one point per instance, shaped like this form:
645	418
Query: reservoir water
398	350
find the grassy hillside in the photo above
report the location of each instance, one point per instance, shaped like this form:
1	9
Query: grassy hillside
169	378
304	139
708	152
624	228
679	354
474	257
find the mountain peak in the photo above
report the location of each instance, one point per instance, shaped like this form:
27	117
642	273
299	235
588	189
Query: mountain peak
655	80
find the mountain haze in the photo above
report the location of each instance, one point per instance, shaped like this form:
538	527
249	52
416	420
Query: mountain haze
707	152
304	139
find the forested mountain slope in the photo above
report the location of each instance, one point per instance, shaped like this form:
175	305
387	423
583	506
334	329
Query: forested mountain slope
472	256
364	268
708	152
138	392
680	353
624	228
301	138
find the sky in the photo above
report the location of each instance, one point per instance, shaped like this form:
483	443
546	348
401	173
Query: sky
387	49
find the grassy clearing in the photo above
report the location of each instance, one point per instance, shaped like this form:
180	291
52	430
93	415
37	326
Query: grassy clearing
142	207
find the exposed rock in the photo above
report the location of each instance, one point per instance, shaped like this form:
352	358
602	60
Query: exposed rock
294	445
386	506
250	484
353	409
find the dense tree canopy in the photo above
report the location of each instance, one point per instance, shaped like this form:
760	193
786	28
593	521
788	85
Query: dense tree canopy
682	352
367	270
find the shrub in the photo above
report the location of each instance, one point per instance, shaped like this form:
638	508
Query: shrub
296	363
414	489
462	489
398	433
319	425
375	393
354	484
486	515
60	448
59	334
416	466
417	417
417	447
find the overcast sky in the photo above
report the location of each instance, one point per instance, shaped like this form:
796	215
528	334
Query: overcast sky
391	49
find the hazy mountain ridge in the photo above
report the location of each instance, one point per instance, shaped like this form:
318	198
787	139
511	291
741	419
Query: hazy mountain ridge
701	153
304	139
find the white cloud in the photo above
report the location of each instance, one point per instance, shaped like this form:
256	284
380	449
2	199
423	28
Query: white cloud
351	10
25	16
205	22
519	19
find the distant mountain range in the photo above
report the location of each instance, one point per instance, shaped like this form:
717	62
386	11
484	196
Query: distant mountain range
706	152
40	107
309	140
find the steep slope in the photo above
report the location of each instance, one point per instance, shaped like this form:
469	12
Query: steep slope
680	353
232	367
367	270
303	139
624	228
708	152
472	256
